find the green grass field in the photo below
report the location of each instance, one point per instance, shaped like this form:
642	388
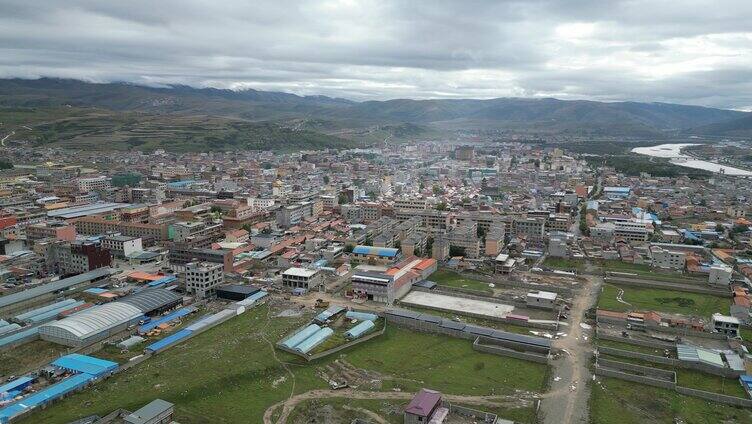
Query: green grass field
711	383
565	264
624	402
448	278
229	374
28	357
644	299
630	347
642	270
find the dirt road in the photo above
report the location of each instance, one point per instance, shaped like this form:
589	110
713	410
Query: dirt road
567	400
289	404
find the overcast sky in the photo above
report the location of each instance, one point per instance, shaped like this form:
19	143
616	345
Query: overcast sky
691	52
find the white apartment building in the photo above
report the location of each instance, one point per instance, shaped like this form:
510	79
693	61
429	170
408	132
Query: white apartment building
414	204
668	259
203	278
86	185
632	231
302	278
122	246
720	275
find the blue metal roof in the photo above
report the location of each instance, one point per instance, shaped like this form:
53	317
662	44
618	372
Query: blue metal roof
377	251
162	281
360	329
328	313
169	340
300	336
65	283
24	316
316	339
52	314
167	318
44	396
361	316
85	364
30	333
17	384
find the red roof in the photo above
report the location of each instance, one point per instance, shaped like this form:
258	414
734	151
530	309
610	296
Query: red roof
424	403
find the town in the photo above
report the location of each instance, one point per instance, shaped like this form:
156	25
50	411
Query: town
433	281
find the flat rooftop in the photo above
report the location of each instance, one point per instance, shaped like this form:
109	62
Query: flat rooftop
458	304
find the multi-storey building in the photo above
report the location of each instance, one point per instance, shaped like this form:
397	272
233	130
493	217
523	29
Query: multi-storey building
51	230
302	278
465	237
410	204
86	185
203	278
122	246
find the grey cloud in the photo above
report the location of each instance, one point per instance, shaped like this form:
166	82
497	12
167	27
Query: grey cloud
696	52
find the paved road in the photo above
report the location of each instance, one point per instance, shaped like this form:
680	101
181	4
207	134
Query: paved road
2	142
567	400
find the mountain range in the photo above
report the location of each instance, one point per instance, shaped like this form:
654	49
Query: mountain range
336	119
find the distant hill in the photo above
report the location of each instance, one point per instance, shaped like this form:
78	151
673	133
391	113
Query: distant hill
332	119
741	127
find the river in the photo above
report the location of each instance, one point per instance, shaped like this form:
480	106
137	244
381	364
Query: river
673	152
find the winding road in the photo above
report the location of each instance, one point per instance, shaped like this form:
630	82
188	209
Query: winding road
567	400
289	404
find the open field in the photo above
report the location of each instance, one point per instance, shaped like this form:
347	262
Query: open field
692	378
614	400
448	278
232	373
564	264
641	270
28	357
99	128
711	383
643	299
630	347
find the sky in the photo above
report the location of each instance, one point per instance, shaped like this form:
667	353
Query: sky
688	51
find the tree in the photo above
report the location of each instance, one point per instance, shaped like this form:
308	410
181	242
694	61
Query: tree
215	209
326	179
349	248
342	199
481	232
441	206
437	190
720	228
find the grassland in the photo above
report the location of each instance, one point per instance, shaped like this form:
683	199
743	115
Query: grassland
232	373
644	299
624	402
28	357
565	264
103	129
448	278
642	271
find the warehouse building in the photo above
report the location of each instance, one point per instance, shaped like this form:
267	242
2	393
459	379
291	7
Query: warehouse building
92	325
235	291
153	301
26	299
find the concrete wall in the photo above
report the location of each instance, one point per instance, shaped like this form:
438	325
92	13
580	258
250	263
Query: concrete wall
503	351
428	327
715	397
689	288
638	355
640	374
607	372
565	291
543	326
656	344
